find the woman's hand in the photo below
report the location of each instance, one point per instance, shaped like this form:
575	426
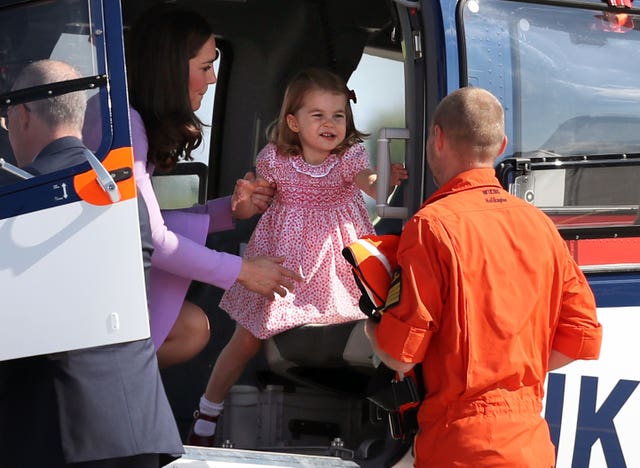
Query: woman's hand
266	276
251	196
398	174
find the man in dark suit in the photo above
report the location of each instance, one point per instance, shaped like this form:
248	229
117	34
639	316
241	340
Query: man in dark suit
102	407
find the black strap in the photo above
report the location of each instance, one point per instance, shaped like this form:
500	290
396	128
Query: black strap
395	397
389	393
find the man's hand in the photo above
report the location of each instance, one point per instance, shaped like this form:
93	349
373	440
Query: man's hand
251	196
370	328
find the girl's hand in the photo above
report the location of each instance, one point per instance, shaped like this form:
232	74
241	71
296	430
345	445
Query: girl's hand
398	174
251	196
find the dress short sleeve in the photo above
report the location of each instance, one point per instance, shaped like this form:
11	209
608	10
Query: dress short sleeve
265	162
354	160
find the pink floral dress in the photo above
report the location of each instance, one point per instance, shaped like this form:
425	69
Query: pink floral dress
316	212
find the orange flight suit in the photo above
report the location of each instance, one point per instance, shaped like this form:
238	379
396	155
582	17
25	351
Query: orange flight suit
487	289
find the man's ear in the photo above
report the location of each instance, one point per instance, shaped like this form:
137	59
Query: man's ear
292	123
438	137
24	116
503	146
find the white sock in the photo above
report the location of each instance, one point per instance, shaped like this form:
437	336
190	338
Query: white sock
207	428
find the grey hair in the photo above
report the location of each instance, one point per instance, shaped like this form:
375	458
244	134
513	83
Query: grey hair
64	110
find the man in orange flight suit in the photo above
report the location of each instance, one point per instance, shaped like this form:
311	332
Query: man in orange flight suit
487	298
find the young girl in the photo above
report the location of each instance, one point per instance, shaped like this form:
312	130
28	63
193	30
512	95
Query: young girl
319	167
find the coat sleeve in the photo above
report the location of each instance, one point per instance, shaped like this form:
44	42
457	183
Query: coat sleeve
415	297
219	212
578	333
176	253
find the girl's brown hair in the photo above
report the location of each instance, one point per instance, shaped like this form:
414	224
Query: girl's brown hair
287	141
159	49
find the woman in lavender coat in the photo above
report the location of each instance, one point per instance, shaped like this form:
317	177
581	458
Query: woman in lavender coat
171	65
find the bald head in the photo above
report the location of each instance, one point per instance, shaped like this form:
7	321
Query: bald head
473	119
66	110
33	125
467	131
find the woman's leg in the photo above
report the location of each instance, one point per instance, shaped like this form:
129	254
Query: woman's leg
188	336
231	362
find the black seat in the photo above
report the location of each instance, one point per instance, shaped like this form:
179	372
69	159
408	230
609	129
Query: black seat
329	357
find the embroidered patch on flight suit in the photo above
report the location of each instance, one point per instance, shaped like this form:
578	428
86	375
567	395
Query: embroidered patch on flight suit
395	288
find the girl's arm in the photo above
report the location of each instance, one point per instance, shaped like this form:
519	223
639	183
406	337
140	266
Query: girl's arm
365	180
251	196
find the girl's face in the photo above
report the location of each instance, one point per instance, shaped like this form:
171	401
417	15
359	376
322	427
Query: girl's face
321	123
201	73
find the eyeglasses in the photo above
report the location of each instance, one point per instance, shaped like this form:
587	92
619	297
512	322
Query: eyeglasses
4	115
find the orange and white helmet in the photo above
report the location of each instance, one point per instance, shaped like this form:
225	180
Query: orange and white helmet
373	259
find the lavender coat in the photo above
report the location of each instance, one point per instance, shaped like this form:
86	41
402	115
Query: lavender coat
179	236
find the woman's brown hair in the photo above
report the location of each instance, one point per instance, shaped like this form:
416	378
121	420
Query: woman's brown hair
159	49
287	141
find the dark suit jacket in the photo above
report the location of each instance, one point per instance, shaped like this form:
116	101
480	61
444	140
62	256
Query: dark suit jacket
59	154
107	401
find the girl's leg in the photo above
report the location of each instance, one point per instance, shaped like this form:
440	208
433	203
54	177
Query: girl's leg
188	336
231	362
